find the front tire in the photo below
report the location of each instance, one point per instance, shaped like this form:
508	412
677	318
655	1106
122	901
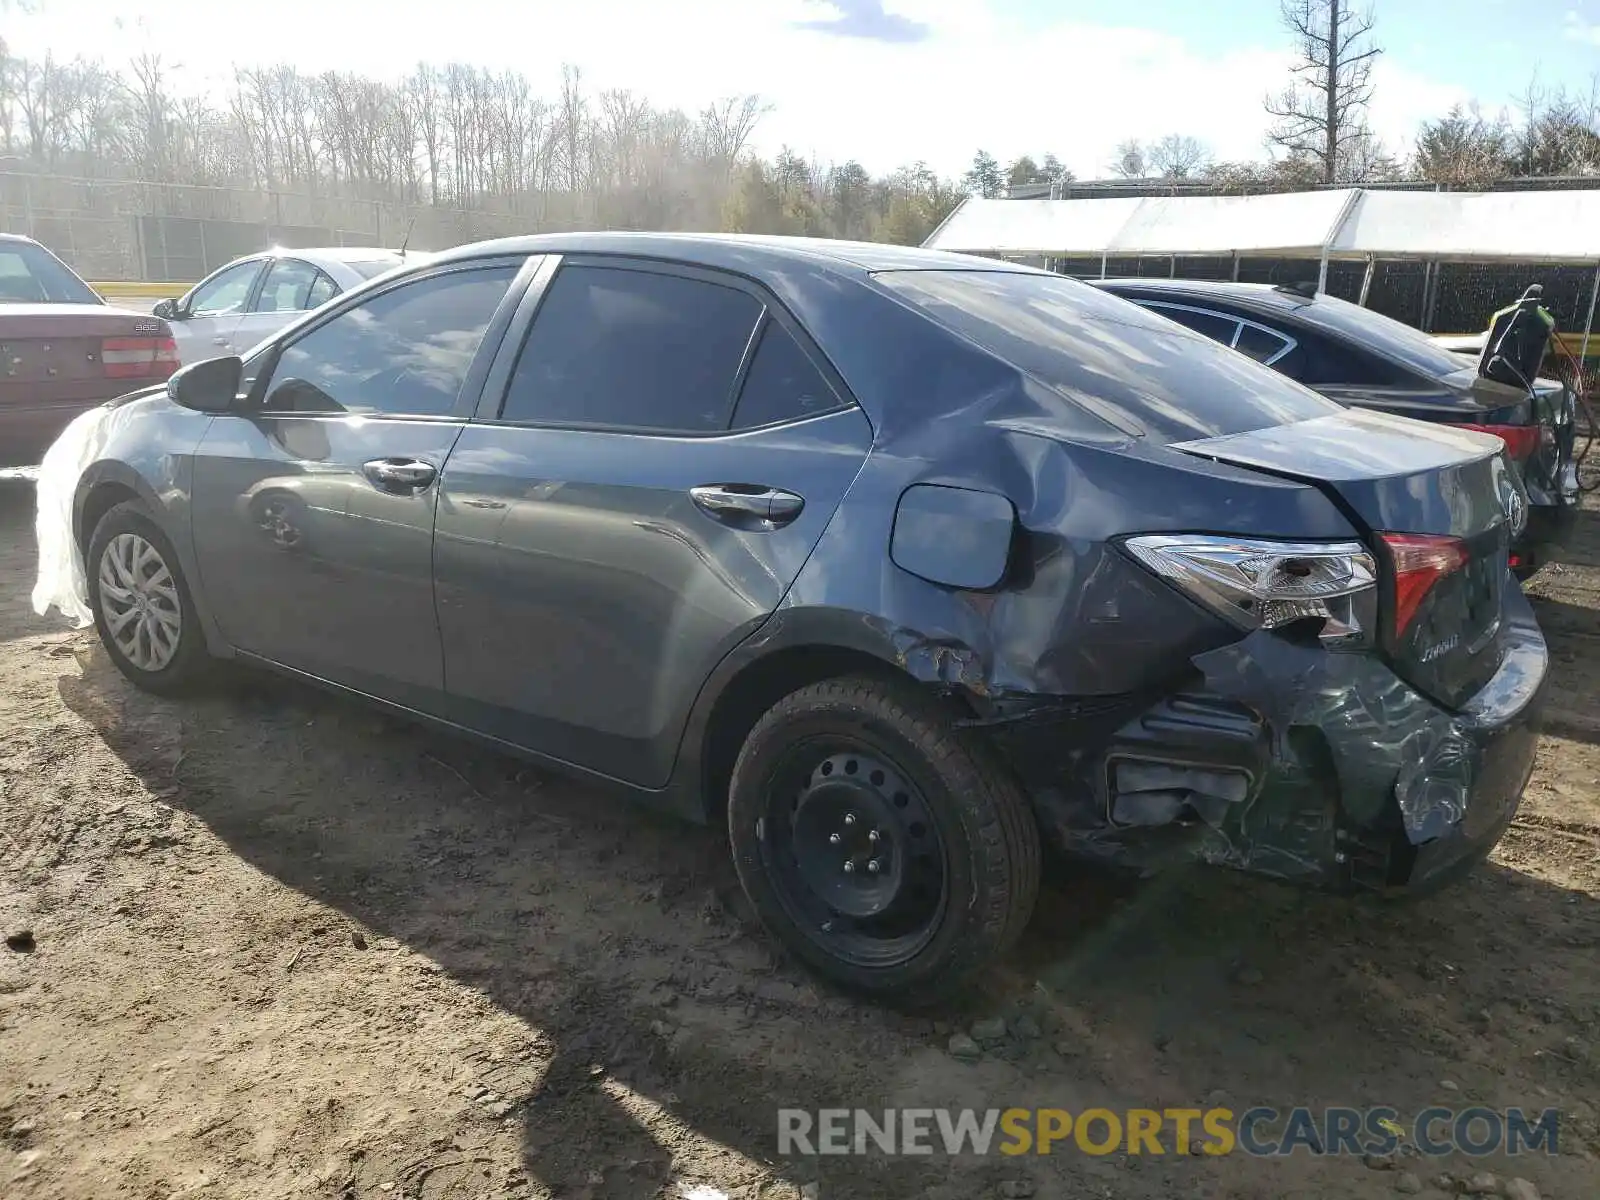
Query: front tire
880	843
141	602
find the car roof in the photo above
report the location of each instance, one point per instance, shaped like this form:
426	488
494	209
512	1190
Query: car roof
333	254
754	254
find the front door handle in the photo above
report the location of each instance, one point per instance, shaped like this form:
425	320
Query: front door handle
402	475
746	505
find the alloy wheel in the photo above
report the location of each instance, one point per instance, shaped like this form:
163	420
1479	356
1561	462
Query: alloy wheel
140	602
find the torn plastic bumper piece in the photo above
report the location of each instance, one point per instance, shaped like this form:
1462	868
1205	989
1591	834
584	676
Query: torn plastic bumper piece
1286	759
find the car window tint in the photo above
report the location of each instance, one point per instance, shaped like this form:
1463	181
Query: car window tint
226	293
404	352
323	289
31	275
1260	344
1213	325
287	287
783	383
1321	361
632	350
1105	355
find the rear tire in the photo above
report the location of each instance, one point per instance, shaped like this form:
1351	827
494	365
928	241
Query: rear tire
143	611
884	846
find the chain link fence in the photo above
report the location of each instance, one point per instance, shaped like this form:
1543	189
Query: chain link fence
122	230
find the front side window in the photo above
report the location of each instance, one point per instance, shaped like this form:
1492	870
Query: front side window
287	287
224	293
625	349
403	352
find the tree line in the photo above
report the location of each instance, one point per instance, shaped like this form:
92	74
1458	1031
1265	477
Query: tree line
465	137
453	135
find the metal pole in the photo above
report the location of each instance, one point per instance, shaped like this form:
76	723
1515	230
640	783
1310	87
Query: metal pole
1433	300
1322	271
1427	286
1366	278
1236	266
1172	267
1103	257
1588	325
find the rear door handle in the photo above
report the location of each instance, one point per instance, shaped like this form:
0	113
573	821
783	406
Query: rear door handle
401	475
746	505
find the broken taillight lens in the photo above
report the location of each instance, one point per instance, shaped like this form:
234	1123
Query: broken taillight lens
1264	584
1420	561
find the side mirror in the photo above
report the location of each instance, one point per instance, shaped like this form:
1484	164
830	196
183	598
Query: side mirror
211	385
167	310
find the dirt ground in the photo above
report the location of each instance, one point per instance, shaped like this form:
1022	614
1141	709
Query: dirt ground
284	947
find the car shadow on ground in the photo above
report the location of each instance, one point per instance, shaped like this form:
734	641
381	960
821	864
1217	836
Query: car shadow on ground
621	939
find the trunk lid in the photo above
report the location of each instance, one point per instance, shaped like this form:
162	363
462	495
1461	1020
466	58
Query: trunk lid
1444	498
46	347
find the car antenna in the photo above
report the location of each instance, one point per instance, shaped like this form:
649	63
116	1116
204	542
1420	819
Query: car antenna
1306	288
406	241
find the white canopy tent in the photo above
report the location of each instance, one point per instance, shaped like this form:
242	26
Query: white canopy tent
1348	223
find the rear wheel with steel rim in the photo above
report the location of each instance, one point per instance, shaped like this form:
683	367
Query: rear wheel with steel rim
141	602
882	844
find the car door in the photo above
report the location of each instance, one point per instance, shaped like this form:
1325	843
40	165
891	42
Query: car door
206	318
290	287
313	516
647	475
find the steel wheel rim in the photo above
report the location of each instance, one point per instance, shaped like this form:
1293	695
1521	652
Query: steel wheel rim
879	930
139	602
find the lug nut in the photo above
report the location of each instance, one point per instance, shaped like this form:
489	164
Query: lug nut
849	868
834	839
849	818
873	836
872	867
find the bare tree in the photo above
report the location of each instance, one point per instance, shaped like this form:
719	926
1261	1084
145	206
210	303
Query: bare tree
1131	161
1178	156
728	125
1322	111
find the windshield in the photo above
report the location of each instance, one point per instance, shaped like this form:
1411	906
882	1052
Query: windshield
1109	354
30	274
1403	344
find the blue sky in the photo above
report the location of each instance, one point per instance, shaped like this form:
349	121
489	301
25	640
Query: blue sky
884	81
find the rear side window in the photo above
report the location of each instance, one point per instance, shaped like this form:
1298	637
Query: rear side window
783	384
613	348
1212	325
1108	355
1261	344
30	275
287	287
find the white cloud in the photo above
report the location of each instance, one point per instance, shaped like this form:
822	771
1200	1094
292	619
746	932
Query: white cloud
1577	29
974	80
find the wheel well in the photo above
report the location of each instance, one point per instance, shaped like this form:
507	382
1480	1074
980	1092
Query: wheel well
755	690
102	498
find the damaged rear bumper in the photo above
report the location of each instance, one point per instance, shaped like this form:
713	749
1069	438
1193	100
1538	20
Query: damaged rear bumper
1286	759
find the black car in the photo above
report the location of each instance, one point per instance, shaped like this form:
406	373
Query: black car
1364	359
905	565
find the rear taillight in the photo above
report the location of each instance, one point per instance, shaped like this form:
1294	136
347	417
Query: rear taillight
1260	583
1420	561
138	357
1521	440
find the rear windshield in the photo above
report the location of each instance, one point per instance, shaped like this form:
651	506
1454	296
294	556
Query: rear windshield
31	275
1109	354
371	268
1385	335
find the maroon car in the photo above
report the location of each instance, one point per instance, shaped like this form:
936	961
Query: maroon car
63	349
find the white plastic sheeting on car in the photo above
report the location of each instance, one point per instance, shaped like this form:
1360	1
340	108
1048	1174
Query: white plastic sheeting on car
61	583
